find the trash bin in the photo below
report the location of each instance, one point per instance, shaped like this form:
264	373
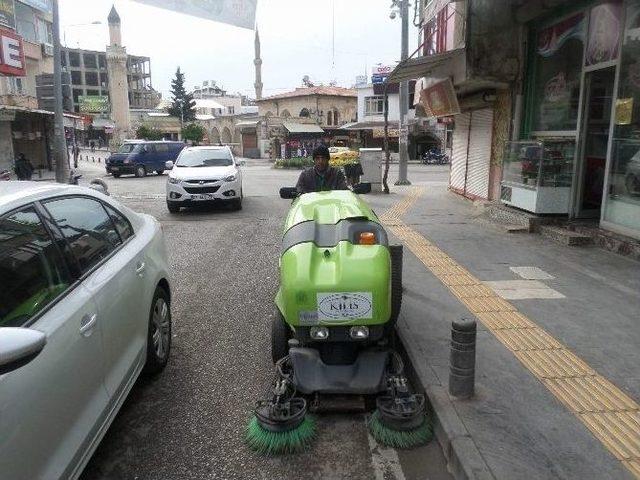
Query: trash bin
371	160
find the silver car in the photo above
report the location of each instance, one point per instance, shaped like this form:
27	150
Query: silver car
84	309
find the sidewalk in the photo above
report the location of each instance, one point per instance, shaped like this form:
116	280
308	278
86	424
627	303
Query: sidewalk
549	342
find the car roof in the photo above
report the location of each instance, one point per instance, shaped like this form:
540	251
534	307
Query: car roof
14	194
210	147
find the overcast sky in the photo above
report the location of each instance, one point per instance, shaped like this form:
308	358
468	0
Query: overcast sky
296	37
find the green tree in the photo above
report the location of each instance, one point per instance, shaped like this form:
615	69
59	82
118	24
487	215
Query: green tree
144	132
183	105
193	132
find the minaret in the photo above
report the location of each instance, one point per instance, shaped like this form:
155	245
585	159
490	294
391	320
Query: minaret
258	63
118	83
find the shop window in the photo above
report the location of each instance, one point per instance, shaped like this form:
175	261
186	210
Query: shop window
623	200
76	77
74	59
557	66
76	95
90	60
91	78
374	105
93	93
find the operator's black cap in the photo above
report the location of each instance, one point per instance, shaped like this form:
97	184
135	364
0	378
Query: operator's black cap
321	151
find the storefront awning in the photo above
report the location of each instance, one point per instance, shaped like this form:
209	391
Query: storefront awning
426	66
368	126
100	123
247	123
302	128
13	108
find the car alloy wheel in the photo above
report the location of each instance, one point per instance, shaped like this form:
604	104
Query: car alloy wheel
161	328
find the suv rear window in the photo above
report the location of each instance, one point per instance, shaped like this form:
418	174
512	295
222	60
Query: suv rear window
32	271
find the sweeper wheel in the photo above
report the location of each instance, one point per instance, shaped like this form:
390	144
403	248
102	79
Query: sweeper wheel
280	335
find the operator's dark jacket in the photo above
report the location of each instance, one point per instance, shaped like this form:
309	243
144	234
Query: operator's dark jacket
312	181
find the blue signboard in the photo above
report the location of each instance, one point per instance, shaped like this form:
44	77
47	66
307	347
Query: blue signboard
45	6
376	79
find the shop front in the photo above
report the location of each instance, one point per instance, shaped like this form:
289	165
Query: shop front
581	125
301	139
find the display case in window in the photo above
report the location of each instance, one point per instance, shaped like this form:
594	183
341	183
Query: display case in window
537	175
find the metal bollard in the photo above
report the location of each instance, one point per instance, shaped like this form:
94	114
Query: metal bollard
463	358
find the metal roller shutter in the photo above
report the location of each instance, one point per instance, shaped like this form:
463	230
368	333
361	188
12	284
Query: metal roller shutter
479	162
459	153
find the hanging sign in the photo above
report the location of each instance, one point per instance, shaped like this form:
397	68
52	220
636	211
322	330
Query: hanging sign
8	14
241	13
11	54
439	99
552	38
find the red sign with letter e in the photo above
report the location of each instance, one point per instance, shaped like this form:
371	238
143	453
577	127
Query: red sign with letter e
11	54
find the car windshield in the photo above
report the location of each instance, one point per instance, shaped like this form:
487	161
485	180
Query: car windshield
204	158
130	148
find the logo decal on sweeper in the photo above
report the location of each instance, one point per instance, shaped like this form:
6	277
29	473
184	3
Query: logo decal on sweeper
344	307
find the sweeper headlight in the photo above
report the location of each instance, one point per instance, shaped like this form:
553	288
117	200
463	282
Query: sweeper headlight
319	333
359	333
367	238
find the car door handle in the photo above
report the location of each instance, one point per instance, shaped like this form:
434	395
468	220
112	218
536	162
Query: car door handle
140	268
87	323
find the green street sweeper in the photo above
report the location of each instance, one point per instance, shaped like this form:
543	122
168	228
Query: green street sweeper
332	335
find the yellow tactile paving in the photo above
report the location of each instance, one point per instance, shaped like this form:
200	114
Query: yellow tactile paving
611	415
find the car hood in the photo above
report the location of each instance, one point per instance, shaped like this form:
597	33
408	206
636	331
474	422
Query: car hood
202	173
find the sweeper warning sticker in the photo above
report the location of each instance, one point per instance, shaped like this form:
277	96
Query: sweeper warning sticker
344	307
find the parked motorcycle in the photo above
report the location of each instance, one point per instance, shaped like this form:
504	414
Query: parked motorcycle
435	156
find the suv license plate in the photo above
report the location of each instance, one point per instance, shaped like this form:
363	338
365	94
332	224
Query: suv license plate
202	196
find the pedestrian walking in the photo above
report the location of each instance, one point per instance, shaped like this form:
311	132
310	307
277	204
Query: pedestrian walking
23	167
76	154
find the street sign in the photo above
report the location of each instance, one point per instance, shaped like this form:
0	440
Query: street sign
8	14
381	70
241	13
11	54
93	103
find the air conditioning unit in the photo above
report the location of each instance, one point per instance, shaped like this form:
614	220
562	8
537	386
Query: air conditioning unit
47	49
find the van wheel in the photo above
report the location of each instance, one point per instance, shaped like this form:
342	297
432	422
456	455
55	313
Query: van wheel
116	175
159	172
141	171
280	334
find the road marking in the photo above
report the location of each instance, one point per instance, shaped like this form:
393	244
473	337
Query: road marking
523	289
385	461
610	414
531	273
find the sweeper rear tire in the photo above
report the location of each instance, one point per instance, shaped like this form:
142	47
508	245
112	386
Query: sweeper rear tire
396	283
280	335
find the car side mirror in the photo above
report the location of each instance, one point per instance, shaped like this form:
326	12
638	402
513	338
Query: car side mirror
168	165
18	346
362	188
288	193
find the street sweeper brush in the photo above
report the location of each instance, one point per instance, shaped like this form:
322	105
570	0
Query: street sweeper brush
399	420
281	425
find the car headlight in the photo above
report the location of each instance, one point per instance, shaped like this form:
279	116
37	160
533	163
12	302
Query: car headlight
231	178
175	181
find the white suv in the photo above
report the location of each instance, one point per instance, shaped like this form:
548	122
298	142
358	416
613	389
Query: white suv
204	175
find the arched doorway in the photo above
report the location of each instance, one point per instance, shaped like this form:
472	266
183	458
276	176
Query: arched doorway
304	113
226	136
329	117
215	136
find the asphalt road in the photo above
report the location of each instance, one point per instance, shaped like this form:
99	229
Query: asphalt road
189	422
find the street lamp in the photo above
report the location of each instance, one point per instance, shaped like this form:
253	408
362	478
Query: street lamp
401	7
97	22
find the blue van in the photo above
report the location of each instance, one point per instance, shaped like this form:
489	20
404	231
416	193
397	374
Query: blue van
141	157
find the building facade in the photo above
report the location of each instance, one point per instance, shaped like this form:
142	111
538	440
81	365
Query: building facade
24	127
545	100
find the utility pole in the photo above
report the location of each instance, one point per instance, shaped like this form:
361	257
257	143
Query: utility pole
404	99
59	143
